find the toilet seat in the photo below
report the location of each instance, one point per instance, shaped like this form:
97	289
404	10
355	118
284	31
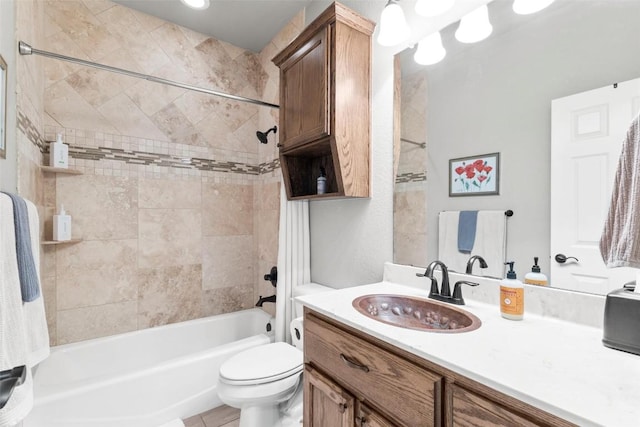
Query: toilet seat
262	364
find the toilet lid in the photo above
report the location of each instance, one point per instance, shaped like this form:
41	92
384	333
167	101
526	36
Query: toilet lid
262	364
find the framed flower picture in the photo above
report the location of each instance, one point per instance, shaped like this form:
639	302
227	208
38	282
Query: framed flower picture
475	175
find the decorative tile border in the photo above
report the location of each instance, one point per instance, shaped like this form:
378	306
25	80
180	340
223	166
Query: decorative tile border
26	127
133	157
411	177
146	158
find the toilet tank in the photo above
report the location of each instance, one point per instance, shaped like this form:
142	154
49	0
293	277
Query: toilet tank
306	289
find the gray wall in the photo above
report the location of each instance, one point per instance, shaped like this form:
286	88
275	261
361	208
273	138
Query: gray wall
351	239
8	48
495	96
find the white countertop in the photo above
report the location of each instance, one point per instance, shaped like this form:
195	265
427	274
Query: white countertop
557	366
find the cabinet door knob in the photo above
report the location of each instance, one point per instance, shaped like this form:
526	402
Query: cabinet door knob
352	364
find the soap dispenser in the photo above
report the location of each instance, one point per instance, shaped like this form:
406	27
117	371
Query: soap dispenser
535	277
322	181
511	295
61	226
59	153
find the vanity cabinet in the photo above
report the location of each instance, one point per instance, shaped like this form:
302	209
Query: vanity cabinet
363	381
325	106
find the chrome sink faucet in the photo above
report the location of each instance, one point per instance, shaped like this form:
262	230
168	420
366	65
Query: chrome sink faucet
444	293
483	263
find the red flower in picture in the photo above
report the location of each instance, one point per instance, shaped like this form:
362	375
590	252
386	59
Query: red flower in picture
459	170
488	169
481	178
479	165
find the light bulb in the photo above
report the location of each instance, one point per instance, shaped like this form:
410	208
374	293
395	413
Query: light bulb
430	8
430	50
474	26
393	25
196	4
526	7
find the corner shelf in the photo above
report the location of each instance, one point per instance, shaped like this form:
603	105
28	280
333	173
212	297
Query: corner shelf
60	170
59	242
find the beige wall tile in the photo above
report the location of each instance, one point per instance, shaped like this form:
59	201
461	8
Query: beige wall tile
169	194
129	119
227	300
267	235
169	237
71	110
48	285
96	272
99	321
227	261
228	209
101	207
82	26
169	295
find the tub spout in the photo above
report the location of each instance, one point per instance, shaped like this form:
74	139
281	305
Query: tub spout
262	300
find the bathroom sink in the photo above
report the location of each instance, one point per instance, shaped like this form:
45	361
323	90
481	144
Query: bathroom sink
416	313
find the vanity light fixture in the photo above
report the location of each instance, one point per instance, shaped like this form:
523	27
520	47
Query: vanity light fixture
196	4
429	8
474	26
526	7
430	50
393	25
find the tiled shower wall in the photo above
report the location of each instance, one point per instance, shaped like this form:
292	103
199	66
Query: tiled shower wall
177	208
410	200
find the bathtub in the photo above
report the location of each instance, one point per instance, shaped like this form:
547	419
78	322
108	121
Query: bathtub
144	378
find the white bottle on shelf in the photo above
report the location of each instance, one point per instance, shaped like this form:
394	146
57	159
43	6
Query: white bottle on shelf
59	153
61	226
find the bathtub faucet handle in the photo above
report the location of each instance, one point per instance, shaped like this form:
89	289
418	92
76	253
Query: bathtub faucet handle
272	276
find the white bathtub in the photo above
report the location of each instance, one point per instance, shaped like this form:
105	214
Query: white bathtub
143	378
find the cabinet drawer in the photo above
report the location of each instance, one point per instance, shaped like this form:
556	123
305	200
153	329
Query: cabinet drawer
408	394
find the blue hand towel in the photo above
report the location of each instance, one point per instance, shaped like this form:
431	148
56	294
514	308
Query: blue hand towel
467	222
29	285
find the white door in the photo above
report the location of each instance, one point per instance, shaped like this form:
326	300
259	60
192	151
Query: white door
587	131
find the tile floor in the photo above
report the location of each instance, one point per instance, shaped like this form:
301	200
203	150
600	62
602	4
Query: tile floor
223	416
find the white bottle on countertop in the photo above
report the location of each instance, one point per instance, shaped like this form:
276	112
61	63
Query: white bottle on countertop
511	296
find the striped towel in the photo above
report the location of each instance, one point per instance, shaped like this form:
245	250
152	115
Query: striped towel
29	284
619	243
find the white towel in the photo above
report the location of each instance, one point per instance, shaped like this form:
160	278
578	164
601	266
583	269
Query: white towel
490	242
20	403
35	319
13	348
24	337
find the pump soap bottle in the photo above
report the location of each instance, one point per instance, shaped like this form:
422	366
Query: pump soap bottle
61	226
535	277
322	181
511	295
59	153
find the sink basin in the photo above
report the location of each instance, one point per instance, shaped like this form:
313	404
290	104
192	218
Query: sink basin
416	313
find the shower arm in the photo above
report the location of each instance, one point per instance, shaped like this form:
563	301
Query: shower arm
26	49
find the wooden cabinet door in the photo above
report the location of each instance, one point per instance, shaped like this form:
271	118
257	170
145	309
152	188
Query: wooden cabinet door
367	417
325	403
304	92
472	410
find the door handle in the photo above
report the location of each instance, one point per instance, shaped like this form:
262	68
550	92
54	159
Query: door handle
561	258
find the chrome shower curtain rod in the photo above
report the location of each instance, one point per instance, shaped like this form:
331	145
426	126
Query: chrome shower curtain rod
26	49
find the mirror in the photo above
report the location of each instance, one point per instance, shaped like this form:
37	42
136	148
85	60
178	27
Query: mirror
495	97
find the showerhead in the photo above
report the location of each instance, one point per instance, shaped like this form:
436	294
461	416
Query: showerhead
262	136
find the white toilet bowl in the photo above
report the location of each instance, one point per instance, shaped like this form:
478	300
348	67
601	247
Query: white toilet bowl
258	380
265	382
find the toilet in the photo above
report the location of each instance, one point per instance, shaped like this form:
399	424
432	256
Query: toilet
265	382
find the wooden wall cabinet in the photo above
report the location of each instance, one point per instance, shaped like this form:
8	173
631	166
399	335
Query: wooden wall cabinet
325	106
352	378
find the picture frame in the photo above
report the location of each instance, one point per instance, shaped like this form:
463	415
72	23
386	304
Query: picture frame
475	175
3	108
